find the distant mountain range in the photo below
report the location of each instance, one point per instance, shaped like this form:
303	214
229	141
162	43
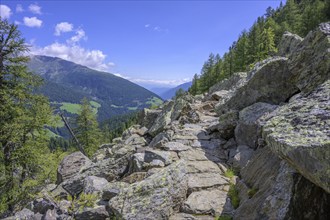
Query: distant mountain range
170	93
66	83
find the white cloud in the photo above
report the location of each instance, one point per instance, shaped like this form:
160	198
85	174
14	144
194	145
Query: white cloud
19	8
17	22
32	22
80	33
5	12
174	82
156	28
35	9
162	83
62	28
94	59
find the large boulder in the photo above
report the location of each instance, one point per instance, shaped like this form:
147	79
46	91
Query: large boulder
288	44
96	213
299	132
235	81
248	130
215	202
226	125
267	82
310	63
147	117
271	189
156	197
94	184
163	119
71	166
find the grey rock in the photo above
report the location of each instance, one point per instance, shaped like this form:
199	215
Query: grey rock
202	167
71	166
94	184
288	44
207	202
113	189
242	157
268	82
25	214
160	139
299	132
156	197
234	82
163	119
226	125
247	130
147	117
97	213
41	205
175	146
135	177
50	215
310	63
199	181
182	216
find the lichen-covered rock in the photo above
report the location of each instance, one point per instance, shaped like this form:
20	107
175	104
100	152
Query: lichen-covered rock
161	139
269	183
267	82
271	189
41	205
163	119
310	63
247	130
134	177
71	166
150	159
288	44
156	197
226	125
233	82
113	189
241	157
147	117
175	146
199	181
299	132
95	213
208	202
94	184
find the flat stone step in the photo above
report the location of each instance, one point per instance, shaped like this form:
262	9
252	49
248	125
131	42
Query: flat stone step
202	167
213	202
201	181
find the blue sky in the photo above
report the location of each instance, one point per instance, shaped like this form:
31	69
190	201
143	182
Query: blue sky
152	43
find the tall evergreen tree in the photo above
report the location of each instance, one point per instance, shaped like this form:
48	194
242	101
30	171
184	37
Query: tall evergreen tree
23	116
88	132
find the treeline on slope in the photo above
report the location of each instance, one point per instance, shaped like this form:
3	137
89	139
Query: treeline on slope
28	156
26	163
261	40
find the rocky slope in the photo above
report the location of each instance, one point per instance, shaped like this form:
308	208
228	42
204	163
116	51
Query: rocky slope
270	125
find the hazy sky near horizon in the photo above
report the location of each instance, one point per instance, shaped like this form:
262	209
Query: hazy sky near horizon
152	43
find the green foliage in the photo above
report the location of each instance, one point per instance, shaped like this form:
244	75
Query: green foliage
233	195
116	125
229	173
223	217
70	82
86	200
251	192
179	93
23	137
261	40
87	131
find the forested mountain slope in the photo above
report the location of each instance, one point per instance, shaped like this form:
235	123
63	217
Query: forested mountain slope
69	82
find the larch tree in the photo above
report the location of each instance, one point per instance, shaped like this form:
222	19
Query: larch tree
23	116
88	132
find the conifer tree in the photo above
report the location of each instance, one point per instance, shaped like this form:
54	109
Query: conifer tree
23	116
88	132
